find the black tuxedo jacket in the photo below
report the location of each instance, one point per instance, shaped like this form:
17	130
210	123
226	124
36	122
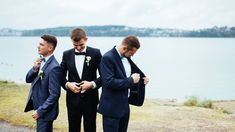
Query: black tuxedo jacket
89	74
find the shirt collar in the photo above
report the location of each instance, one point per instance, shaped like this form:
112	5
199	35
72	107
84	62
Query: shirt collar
118	52
48	57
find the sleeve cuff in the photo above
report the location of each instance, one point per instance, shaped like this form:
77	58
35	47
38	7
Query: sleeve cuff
66	85
94	85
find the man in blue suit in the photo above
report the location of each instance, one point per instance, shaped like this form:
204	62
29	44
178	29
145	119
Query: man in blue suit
119	75
45	79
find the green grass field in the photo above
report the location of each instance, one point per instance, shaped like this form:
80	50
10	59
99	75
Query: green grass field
12	103
152	116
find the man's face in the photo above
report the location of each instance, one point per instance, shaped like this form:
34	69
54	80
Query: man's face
129	52
80	45
44	48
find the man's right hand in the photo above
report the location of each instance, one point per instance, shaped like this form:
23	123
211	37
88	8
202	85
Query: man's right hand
135	77
37	64
72	86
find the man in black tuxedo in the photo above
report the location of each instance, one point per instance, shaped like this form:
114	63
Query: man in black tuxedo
81	64
119	75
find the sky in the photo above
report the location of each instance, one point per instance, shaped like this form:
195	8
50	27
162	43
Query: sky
182	14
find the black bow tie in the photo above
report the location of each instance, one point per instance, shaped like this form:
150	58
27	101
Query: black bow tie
43	59
80	53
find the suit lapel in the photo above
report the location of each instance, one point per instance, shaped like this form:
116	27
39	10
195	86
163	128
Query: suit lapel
133	69
48	62
34	82
73	64
43	69
85	66
119	61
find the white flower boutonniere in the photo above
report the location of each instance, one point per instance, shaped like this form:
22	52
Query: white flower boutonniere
88	58
41	74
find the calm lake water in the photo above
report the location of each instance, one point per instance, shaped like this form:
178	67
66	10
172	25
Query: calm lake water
177	67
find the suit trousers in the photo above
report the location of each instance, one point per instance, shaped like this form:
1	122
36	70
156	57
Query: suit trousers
44	126
88	112
111	124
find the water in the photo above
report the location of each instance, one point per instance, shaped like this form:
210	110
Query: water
177	67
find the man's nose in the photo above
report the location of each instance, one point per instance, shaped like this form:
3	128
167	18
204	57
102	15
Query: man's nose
79	48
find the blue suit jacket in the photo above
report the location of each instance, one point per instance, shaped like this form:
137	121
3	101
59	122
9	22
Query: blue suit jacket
44	94
115	85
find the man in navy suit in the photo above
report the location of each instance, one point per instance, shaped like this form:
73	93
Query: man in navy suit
119	75
45	79
81	64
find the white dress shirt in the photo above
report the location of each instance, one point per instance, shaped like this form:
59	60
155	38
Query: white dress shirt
127	66
79	62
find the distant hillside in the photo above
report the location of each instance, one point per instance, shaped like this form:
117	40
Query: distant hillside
116	31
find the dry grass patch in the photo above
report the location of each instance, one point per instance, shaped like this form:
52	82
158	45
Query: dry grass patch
154	115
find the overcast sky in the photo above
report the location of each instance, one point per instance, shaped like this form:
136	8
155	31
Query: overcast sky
184	14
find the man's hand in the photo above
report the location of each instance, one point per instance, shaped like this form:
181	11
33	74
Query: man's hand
37	64
136	77
73	87
85	85
35	115
146	80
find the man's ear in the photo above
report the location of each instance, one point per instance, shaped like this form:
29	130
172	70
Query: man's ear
124	48
51	48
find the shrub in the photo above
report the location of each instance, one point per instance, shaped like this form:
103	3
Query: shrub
192	101
205	104
1	81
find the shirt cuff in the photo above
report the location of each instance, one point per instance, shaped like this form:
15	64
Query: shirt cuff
66	85
94	85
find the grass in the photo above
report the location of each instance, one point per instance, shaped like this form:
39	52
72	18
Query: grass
13	100
152	116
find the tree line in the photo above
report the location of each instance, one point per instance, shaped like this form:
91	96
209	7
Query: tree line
120	31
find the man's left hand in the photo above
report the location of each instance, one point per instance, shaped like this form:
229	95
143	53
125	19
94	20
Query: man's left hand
85	85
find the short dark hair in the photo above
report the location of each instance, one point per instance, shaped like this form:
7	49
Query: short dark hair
50	39
77	34
131	42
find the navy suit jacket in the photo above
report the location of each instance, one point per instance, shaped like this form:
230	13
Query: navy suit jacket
115	85
89	74
44	94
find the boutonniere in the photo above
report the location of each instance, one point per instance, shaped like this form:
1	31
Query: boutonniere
41	74
88	58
